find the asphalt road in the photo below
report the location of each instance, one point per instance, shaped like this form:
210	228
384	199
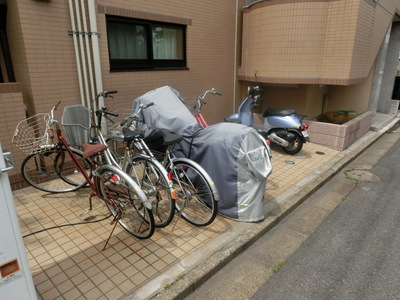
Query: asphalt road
355	252
341	243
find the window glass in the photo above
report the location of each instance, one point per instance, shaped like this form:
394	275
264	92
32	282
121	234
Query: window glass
6	66
167	43
127	41
140	45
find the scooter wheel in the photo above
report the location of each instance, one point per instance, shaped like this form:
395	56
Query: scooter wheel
295	146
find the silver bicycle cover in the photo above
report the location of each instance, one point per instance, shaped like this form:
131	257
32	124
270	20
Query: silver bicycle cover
232	154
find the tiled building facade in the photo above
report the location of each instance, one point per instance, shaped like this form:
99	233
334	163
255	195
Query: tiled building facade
306	54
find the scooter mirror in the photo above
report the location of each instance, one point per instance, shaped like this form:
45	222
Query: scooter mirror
254	91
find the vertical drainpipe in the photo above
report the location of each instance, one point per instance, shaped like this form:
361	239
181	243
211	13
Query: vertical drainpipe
235	58
88	54
77	57
82	53
95	49
374	103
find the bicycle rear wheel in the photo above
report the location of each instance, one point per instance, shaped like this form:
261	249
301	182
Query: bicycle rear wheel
54	171
125	201
197	195
152	178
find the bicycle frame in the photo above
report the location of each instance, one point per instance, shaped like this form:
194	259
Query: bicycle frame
62	143
200	119
95	192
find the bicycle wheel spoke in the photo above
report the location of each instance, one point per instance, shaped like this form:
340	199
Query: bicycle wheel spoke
54	171
195	201
151	178
121	197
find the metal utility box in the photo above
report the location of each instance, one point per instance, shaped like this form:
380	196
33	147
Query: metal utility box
15	276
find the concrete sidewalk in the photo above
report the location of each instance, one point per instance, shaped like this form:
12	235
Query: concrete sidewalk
67	262
275	210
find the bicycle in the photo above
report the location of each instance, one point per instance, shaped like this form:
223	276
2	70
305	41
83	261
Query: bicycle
202	122
199	104
123	197
139	163
197	195
35	137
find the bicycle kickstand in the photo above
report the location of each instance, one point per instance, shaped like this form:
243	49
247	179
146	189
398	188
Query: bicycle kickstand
179	215
85	212
115	222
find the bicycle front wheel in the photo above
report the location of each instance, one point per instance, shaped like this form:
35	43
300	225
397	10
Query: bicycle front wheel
54	171
125	201
197	195
152	178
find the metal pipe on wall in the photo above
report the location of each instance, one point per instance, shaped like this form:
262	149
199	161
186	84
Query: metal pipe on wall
88	52
77	58
82	55
235	67
95	49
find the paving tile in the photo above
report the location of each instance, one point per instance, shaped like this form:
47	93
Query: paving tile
67	262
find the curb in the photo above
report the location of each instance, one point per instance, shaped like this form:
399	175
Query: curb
275	211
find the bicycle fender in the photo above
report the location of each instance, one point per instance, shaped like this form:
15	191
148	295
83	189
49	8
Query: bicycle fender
200	168
130	181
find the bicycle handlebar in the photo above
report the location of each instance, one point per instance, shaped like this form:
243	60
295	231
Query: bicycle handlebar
107	93
104	94
111	113
200	99
53	109
111	92
135	115
212	91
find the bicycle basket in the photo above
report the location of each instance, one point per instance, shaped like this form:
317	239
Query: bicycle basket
114	130
191	104
32	135
76	122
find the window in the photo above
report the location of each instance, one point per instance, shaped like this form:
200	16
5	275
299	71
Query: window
6	67
144	45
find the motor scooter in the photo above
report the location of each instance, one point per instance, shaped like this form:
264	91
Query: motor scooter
280	126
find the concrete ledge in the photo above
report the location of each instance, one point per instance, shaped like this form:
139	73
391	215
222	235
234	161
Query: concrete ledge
340	137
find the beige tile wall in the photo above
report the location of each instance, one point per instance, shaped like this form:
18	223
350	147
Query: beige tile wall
45	67
11	110
321	42
284	41
210	53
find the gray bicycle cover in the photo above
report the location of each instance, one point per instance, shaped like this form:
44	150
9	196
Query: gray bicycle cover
232	154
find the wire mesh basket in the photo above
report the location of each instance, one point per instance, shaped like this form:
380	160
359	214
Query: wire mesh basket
192	104
33	134
114	129
76	122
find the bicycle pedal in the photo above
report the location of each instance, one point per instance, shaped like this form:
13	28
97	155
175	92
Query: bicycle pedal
84	213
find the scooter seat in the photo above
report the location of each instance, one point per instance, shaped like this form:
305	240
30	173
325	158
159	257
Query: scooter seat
272	111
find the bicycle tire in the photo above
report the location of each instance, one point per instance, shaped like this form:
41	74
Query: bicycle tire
152	178
124	197
197	195
43	171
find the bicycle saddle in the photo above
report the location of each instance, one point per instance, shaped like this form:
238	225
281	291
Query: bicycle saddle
170	138
130	135
272	111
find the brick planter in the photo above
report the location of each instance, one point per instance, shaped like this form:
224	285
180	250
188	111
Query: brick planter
339	137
